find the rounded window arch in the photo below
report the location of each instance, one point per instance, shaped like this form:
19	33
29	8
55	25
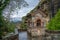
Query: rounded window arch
38	22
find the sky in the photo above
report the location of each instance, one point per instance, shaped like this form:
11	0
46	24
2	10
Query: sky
23	11
19	13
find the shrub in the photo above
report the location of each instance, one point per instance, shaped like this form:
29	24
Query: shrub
54	24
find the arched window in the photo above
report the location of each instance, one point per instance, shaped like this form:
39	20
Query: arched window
38	22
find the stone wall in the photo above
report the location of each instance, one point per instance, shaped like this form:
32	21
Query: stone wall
51	35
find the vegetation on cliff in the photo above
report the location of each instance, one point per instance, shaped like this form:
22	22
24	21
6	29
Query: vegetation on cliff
54	24
23	25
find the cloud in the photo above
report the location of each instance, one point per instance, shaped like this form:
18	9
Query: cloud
24	10
17	12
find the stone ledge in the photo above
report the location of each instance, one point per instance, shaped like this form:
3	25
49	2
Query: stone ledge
53	31
11	37
52	34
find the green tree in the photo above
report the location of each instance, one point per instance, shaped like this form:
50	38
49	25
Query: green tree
54	24
23	26
2	6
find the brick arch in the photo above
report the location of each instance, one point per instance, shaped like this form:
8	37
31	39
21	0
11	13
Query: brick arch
38	22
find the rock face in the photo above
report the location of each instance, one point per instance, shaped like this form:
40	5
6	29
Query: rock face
50	6
36	22
39	17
